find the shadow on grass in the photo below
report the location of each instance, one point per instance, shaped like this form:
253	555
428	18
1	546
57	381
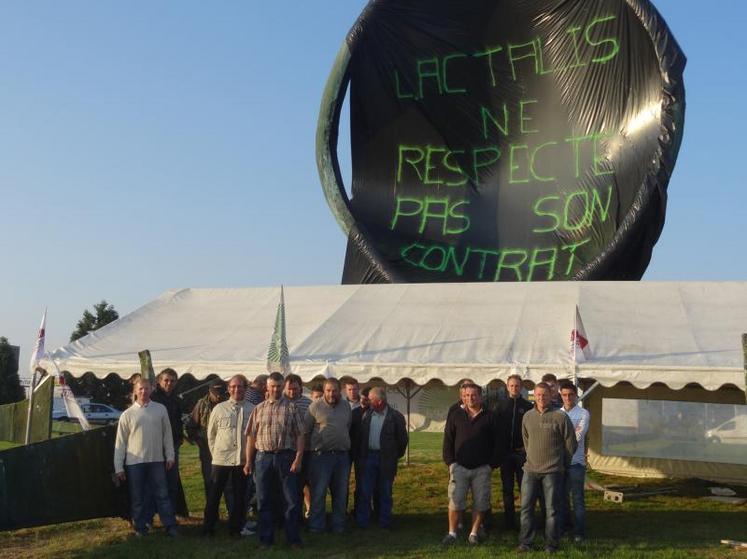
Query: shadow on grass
623	534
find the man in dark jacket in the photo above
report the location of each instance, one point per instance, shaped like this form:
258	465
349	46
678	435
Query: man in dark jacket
382	441
469	450
355	429
165	393
196	429
510	412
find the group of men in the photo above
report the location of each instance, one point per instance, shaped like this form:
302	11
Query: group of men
539	447
269	439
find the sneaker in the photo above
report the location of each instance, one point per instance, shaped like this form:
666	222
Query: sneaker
172	532
473	539
578	539
140	534
448	540
245	531
523	549
550	550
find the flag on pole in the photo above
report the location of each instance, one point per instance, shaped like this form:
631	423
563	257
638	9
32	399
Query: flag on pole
580	349
72	408
38	352
277	354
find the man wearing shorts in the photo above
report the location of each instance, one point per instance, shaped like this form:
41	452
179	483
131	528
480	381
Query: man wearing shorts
470	452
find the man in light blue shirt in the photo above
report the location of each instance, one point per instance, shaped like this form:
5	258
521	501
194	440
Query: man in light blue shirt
575	475
377	421
382	441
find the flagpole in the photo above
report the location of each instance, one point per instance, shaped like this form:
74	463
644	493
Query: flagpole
36	354
29	412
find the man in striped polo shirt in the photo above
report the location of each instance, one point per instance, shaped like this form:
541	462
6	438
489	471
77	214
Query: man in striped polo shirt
549	441
294	392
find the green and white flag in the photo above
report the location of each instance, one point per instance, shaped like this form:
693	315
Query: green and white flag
277	353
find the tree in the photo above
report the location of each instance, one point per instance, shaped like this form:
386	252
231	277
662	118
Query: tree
104	314
10	385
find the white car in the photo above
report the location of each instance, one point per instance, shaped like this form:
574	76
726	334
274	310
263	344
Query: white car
93	412
732	431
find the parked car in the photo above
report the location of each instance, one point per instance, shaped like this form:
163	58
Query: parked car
93	412
59	414
733	431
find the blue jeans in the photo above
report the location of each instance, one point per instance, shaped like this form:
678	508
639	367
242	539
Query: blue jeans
278	464
172	485
373	481
147	484
329	470
574	491
532	485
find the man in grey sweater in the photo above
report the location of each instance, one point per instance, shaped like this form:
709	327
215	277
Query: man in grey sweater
550	441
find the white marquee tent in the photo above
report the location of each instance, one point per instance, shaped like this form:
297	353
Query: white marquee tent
640	332
668	356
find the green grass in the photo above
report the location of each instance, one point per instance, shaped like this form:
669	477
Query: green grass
666	526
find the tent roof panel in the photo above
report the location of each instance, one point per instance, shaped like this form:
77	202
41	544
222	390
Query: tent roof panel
640	332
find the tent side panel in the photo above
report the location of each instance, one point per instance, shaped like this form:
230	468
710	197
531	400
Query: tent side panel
659	467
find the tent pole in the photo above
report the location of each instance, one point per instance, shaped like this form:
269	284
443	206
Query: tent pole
30	411
592	388
407	390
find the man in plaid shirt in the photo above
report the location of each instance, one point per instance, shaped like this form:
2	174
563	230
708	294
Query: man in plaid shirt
275	434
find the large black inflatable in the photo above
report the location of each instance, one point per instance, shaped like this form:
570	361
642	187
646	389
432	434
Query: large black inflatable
503	140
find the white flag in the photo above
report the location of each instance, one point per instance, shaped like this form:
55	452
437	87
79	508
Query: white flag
580	349
38	352
72	408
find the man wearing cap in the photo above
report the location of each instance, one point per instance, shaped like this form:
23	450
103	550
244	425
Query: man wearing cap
225	432
197	425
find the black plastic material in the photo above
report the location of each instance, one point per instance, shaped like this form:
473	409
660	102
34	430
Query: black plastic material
508	140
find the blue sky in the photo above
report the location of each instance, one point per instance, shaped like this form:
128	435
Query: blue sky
151	145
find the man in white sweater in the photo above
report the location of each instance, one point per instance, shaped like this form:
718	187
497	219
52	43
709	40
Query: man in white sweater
225	434
143	451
